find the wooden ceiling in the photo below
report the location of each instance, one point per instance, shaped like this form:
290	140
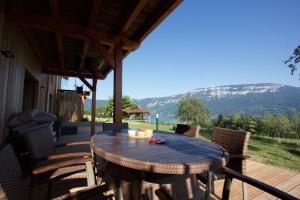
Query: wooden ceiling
77	37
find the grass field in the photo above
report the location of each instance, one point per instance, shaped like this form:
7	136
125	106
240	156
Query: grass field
277	151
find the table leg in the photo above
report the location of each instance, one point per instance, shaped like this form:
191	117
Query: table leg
208	185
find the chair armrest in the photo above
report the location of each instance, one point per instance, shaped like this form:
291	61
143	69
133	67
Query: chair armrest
83	142
240	156
96	192
58	165
162	194
69	155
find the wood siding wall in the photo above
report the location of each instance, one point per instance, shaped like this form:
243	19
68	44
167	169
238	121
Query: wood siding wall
12	73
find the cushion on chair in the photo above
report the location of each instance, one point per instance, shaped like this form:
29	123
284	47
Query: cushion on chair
44	117
39	143
26	126
21	118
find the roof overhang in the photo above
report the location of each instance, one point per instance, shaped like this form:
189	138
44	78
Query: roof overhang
78	38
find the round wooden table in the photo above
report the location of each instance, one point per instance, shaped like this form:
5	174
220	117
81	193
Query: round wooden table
181	155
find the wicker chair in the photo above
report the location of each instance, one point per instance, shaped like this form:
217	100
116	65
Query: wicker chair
188	130
236	144
13	188
114	126
51	163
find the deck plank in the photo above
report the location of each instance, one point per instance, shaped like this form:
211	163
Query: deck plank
283	179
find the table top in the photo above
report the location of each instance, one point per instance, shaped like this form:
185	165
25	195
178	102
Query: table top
180	155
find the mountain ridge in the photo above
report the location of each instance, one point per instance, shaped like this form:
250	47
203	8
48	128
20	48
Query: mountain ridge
249	99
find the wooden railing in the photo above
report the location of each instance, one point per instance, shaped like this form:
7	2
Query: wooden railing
230	174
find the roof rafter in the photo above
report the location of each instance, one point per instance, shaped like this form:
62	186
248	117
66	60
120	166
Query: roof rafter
103	61
132	13
92	21
61	72
59	40
72	30
103	52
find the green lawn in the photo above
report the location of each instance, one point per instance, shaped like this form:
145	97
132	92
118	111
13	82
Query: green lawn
279	152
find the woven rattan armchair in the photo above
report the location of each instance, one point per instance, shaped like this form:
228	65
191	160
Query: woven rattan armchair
13	188
51	163
188	130
235	142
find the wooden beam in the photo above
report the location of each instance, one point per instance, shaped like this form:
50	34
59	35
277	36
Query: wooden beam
62	72
83	56
54	8
86	83
132	13
59	39
72	30
94	12
93	117
60	48
103	60
92	20
166	7
118	113
103	52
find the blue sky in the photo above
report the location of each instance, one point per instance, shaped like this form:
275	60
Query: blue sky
210	43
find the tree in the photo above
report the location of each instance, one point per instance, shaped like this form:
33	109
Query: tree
220	121
191	110
295	120
283	125
293	60
236	121
127	102
268	122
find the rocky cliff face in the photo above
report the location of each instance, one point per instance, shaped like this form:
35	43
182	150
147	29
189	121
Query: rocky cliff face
252	99
249	99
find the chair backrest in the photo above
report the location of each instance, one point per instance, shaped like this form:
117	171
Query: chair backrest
235	142
10	174
114	126
188	130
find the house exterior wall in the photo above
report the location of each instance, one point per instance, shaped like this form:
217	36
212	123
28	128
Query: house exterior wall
12	74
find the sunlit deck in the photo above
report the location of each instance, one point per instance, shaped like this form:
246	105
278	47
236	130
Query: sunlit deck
283	179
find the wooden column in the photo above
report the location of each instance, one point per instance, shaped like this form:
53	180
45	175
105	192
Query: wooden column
117	118
93	118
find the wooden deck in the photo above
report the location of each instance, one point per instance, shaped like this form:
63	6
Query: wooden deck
283	179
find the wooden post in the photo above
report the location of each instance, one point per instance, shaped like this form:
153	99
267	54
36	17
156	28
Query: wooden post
118	113
93	118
